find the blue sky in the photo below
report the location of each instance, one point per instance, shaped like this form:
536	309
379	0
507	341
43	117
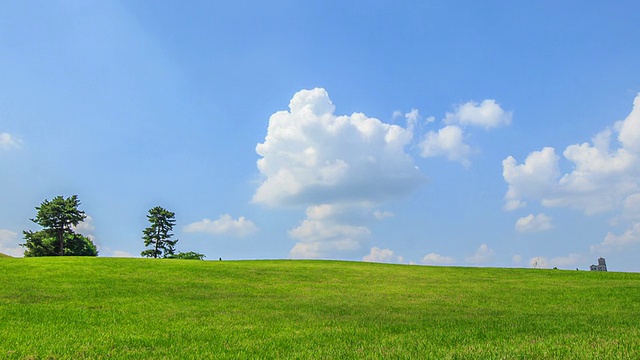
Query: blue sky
471	133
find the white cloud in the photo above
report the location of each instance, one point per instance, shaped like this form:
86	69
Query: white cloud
602	177
9	243
447	142
8	141
437	259
338	167
534	223
487	114
328	230
382	255
534	178
619	242
225	225
85	227
483	254
312	156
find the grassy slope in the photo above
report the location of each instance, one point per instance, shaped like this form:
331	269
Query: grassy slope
4	255
76	308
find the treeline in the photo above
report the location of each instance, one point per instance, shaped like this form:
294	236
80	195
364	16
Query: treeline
59	218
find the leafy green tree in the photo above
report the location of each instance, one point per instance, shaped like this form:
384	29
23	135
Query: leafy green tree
189	255
58	217
43	243
159	235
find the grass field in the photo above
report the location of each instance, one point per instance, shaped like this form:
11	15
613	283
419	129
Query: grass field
99	308
3	255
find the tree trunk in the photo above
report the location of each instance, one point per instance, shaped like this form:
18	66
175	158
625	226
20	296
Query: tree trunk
61	241
155	254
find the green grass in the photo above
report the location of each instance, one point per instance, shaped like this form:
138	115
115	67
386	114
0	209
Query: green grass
4	255
108	308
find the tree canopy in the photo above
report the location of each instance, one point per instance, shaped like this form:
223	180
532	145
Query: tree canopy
58	217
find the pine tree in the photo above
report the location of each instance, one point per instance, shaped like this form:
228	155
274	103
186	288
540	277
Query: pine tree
158	235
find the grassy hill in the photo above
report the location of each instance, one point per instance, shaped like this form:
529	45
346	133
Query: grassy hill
74	308
4	255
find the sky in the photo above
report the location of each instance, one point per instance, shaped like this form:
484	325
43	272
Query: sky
451	133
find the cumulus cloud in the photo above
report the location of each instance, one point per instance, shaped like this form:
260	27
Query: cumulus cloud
338	167
225	225
488	114
482	255
312	156
382	255
8	141
447	142
533	179
9	243
602	177
534	223
437	259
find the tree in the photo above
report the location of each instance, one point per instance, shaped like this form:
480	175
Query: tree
58	217
189	255
158	235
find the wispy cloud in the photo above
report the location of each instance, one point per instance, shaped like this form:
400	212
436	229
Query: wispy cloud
9	243
8	141
487	114
437	259
224	225
482	255
534	223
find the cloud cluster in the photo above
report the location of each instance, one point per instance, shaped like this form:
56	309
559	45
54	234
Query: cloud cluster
225	225
605	175
449	141
8	141
338	166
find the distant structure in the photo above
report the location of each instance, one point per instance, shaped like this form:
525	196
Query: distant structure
602	265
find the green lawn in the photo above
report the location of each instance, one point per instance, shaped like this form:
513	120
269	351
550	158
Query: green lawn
4	255
109	308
